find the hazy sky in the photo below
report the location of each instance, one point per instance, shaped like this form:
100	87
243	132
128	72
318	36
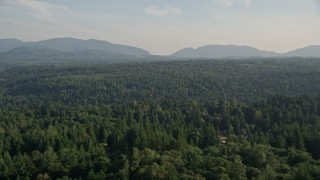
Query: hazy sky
164	26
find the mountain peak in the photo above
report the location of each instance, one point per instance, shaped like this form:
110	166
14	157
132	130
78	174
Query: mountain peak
223	51
8	44
309	51
68	44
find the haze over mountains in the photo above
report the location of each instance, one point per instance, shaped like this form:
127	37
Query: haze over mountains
233	51
71	48
222	51
313	51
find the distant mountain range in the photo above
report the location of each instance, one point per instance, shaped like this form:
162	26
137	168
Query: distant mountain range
222	51
309	51
77	49
232	51
68	47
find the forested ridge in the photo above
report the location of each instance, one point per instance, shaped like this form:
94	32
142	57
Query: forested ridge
162	120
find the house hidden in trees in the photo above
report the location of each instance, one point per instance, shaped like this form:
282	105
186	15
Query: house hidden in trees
223	139
223	136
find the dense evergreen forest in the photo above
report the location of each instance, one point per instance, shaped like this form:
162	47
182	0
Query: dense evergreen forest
200	119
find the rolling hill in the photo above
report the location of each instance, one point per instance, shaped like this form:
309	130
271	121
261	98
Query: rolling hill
223	51
69	45
309	51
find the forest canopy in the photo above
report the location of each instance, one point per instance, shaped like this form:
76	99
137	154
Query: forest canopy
200	119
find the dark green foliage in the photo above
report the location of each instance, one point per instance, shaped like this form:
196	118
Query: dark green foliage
161	121
245	80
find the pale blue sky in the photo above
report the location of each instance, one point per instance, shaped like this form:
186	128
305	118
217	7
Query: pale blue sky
164	26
